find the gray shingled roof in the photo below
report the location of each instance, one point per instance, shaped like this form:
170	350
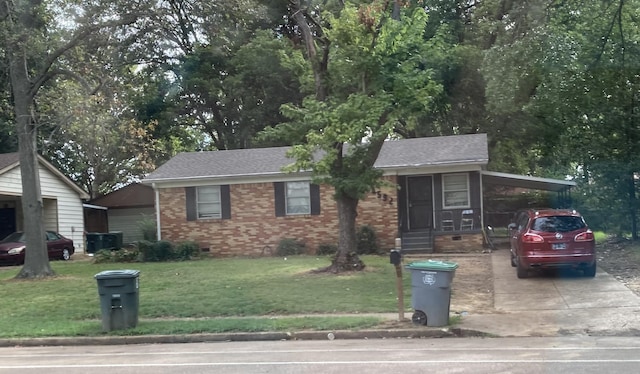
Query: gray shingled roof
8	159
439	150
442	150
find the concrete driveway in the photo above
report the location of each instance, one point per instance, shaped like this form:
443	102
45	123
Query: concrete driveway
547	304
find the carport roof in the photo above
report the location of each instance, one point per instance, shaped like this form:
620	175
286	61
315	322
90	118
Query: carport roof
525	181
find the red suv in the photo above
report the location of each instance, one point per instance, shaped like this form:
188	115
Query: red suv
551	238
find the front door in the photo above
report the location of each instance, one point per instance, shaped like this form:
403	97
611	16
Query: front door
420	202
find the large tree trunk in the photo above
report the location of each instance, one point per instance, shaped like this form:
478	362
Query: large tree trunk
36	258
346	258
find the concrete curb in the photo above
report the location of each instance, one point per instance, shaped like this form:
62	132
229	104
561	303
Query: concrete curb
260	336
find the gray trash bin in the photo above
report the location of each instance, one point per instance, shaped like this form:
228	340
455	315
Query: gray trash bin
431	291
119	298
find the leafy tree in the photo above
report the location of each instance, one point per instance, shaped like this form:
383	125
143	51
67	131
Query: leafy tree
216	73
34	51
371	74
587	98
94	139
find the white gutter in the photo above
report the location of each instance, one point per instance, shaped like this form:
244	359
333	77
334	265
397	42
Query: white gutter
157	204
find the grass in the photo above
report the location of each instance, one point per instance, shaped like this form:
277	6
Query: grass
600	236
208	295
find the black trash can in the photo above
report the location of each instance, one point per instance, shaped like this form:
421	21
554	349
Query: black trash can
119	298
95	242
431	291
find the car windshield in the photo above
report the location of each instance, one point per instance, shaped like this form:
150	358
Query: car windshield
558	224
12	238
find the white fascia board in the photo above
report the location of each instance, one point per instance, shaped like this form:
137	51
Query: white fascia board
235	179
434	169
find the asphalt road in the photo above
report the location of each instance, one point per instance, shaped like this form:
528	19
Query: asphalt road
577	354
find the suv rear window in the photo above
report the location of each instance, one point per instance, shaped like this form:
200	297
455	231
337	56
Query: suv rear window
558	224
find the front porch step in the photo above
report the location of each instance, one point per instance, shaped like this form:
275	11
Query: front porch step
417	241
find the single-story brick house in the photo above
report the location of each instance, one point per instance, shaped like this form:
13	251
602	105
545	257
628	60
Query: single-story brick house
240	202
61	198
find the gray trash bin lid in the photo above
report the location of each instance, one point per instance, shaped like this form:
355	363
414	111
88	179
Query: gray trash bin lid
111	274
434	265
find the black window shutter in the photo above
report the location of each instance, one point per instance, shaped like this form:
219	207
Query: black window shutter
192	213
225	201
278	190
314	189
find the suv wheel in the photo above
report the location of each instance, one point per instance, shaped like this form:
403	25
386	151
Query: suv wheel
590	271
521	271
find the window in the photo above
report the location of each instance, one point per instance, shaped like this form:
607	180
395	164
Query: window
298	198
455	190
208	202
558	224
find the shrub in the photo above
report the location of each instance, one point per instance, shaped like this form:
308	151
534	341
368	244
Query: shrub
186	251
155	252
125	255
147	227
290	247
103	256
326	249
367	240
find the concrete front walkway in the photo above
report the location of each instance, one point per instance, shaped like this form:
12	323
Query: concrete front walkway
550	304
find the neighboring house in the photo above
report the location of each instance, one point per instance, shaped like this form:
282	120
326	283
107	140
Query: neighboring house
240	202
122	210
62	200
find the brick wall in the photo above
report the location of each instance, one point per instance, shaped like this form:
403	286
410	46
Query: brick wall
254	229
458	243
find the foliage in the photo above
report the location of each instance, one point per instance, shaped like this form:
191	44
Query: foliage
93	139
325	249
290	247
186	251
123	255
367	240
159	251
148	228
150	251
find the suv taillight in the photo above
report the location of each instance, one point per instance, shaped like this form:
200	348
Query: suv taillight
532	238
586	236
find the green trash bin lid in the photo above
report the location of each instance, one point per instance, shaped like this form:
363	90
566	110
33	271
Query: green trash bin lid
433	265
111	274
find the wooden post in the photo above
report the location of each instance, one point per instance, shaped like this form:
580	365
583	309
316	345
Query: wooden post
395	257
400	293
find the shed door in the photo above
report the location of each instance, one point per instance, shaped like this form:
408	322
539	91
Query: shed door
420	202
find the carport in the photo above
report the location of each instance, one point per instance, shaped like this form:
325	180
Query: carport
512	185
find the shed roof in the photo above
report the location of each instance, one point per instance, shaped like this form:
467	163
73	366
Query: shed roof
130	196
395	154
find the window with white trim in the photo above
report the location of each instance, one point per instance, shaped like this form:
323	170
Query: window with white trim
455	190
298	198
208	202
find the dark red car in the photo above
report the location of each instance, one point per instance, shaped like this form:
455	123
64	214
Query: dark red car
551	238
13	246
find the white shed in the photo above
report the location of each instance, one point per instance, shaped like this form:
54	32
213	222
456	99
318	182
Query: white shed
62	200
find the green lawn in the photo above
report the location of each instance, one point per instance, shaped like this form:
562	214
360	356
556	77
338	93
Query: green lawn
208	295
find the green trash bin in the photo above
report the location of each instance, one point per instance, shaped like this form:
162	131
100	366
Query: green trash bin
119	298
431	291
